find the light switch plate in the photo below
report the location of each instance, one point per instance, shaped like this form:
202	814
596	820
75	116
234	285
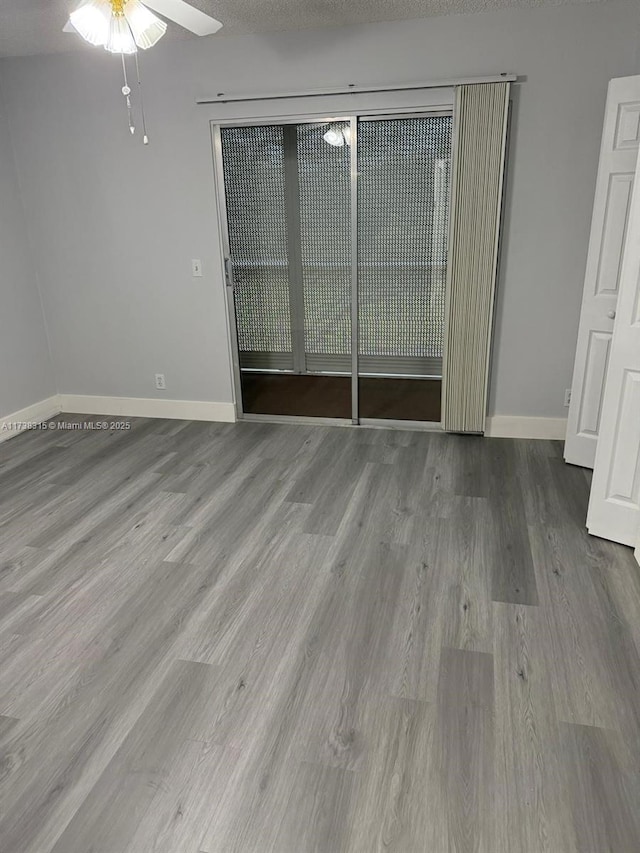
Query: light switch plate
196	268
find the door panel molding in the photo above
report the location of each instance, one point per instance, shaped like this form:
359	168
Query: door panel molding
596	369
614	232
628	126
624	476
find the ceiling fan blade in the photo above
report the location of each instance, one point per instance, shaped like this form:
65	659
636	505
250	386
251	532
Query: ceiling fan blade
187	16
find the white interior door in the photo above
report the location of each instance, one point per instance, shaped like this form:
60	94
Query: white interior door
614	506
618	156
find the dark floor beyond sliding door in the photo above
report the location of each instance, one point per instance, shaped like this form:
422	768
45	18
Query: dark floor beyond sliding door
291	245
403	196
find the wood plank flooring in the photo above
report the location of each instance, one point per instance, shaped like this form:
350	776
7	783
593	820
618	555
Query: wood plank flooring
253	637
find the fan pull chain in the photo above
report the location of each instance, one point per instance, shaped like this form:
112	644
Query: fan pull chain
145	138
126	91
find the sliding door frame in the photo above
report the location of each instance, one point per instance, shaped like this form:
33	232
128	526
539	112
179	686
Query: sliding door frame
355	318
354	118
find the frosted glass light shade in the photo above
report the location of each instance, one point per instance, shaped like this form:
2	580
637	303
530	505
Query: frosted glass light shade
334	137
135	26
147	30
337	135
120	36
92	20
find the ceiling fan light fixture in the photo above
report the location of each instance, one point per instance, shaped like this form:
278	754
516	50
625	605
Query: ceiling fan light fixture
123	26
91	21
120	38
146	28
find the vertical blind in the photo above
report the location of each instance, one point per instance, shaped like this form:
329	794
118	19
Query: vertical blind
477	180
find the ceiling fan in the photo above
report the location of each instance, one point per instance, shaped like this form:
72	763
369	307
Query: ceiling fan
123	26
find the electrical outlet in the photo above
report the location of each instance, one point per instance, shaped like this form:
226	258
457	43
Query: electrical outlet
196	268
161	385
567	397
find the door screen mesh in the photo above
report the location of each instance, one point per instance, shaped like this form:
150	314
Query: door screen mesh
254	181
403	192
325	237
288	234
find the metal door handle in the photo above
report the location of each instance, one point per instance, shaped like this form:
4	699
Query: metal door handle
228	271
611	315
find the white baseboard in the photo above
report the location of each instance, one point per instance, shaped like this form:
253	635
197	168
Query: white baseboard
18	422
148	407
514	426
497	426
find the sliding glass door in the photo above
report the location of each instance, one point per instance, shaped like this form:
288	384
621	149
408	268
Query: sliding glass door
336	244
287	192
403	202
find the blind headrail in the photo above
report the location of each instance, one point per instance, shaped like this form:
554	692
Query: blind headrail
353	89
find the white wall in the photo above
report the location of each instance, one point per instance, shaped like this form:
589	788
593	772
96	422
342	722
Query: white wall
26	376
116	224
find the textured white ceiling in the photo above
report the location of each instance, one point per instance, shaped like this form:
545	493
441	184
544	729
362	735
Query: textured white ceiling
35	26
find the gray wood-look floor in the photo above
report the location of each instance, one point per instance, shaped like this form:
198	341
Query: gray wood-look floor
260	637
